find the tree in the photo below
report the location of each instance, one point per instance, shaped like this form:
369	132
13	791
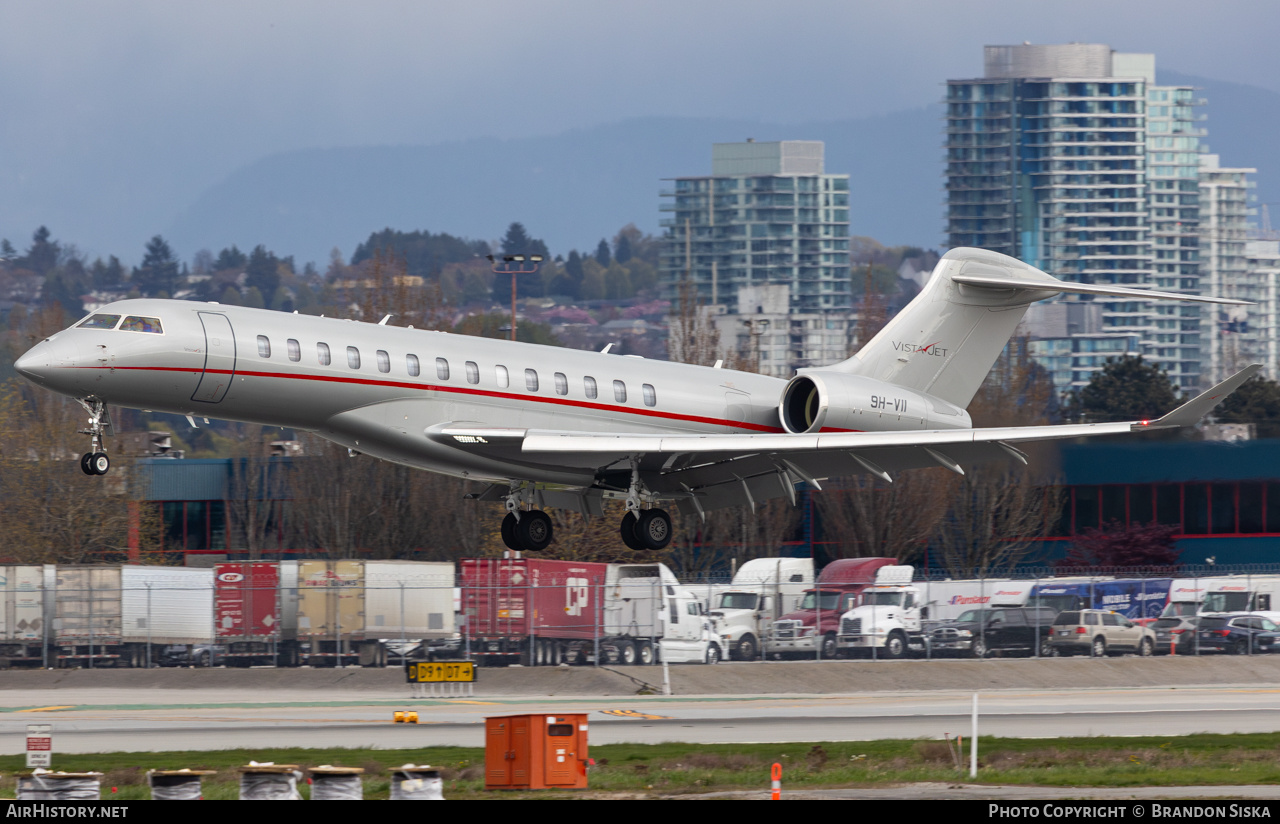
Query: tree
262	271
1125	389
42	257
1256	402
231	258
159	270
602	252
1149	546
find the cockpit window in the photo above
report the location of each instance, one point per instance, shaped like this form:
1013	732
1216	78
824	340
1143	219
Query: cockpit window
100	322
134	323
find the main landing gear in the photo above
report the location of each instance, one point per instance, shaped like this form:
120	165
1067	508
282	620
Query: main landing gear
95	461
651	530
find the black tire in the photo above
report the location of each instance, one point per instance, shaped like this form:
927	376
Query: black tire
533	531
713	654
645	653
204	659
829	648
895	646
653	529
1146	648
746	649
627	651
509	532
1099	648
85	465
630	538
978	649
1240	647
100	463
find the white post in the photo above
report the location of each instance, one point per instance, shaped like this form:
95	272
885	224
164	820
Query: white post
973	741
666	677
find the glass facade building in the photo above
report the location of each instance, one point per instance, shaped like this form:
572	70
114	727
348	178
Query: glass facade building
768	214
1048	161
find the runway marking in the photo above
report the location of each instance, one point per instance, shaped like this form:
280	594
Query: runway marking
48	709
635	714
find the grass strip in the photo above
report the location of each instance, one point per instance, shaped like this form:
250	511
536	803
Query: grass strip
638	770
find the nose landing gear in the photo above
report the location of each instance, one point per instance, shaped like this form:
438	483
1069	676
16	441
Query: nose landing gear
95	461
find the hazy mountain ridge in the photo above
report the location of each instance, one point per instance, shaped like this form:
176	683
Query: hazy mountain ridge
574	188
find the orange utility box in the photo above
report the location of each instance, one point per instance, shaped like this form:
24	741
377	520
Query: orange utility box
535	752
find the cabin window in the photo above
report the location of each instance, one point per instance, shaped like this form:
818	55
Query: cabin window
650	395
264	346
100	322
504	379
323	355
589	386
295	350
134	323
384	360
442	369
619	391
473	372
412	366
353	357
562	384
531	380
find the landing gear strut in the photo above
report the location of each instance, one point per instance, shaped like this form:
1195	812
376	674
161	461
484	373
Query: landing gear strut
95	461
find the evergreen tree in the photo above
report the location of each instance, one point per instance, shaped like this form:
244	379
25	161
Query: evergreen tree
1256	402
1125	389
42	257
262	272
159	270
231	258
622	249
602	253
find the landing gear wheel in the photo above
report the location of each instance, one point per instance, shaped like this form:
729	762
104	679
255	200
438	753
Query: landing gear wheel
653	529
509	532
628	531
99	463
85	466
533	530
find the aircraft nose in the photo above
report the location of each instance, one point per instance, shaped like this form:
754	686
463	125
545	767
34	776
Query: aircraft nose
39	363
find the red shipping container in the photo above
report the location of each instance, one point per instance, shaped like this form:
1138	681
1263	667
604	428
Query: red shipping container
246	601
516	598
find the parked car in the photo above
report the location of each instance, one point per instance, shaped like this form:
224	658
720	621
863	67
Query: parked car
1237	634
979	632
1175	634
1099	632
194	655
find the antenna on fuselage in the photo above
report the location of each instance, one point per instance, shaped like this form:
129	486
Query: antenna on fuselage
383	322
606	349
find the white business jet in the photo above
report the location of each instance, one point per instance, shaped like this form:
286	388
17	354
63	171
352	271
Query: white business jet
553	427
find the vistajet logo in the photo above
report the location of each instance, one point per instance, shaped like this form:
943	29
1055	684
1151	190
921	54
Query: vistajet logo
931	349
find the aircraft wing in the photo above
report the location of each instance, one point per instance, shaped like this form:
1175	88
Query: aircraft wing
746	468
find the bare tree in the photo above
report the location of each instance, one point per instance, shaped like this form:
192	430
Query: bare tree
997	516
864	516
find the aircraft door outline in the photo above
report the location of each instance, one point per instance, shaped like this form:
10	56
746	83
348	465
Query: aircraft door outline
219	358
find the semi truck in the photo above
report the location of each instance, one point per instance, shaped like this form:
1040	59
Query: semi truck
814	627
763	590
1131	597
538	612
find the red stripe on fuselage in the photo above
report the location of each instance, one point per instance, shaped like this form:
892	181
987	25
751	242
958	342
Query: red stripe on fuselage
462	390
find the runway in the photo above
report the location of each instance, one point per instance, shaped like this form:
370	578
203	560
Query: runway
107	720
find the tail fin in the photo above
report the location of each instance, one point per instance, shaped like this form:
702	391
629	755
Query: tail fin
946	340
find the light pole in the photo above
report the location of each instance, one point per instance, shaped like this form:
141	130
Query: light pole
514	265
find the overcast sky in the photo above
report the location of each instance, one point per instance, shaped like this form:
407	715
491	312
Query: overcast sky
137	106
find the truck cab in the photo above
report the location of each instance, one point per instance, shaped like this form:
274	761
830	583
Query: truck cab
763	590
814	627
887	620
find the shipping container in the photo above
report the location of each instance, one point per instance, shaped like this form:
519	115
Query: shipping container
542	612
126	615
24	624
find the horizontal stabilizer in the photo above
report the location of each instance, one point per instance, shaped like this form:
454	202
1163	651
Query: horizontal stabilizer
1058	286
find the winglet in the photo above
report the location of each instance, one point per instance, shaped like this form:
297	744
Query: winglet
1190	413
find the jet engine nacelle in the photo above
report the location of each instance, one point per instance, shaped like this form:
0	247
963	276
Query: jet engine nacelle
817	400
